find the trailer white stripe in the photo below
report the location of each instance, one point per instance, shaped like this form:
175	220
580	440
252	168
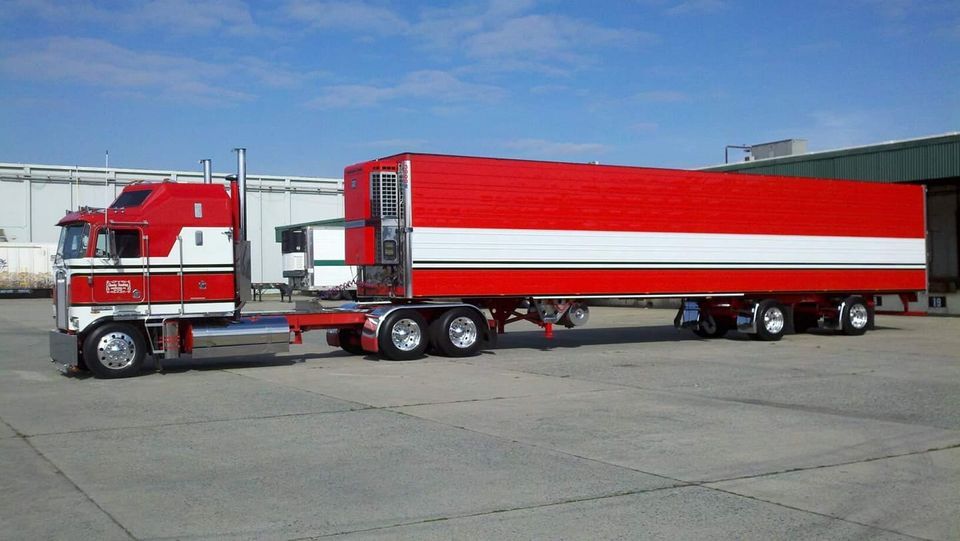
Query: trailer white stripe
522	248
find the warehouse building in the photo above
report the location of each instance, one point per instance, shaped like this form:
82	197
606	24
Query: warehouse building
34	197
931	161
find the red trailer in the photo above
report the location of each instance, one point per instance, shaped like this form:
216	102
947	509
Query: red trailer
443	241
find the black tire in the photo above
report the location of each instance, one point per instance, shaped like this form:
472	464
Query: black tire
406	323
458	332
772	321
115	350
350	341
710	327
856	316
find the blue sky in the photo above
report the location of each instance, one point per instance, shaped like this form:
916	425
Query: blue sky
309	87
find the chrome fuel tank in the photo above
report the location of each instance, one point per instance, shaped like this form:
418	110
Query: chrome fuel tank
246	336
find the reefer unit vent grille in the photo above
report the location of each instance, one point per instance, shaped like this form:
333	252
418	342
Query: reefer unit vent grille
384	194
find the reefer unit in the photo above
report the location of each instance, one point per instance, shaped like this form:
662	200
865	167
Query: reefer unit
433	226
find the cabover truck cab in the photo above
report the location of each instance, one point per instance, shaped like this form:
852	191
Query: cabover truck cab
450	249
164	272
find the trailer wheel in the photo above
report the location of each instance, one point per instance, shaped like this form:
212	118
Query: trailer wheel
350	341
403	336
771	321
709	327
114	350
458	332
856	317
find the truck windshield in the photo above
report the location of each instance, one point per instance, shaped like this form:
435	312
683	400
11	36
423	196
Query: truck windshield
73	241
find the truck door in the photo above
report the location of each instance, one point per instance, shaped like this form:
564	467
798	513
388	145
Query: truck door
122	276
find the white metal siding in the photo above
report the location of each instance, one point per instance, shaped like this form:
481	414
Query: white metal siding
34	197
505	248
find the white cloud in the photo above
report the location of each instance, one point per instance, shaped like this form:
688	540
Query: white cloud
660	96
498	35
645	127
894	9
126	72
346	15
173	16
432	85
544	43
689	7
544	149
833	129
542	36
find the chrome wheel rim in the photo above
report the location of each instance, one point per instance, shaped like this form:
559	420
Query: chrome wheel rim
462	332
773	320
578	315
858	316
405	334
116	350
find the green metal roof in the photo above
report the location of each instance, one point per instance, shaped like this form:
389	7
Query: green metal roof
335	222
922	159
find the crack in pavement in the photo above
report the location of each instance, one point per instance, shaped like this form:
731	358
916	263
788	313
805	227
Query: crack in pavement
761	403
195	422
612	495
822	466
825	515
60	473
677	483
680	483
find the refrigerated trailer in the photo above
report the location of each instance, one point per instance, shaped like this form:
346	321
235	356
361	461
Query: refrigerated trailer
313	260
451	249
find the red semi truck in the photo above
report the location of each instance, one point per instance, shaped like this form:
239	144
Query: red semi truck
450	249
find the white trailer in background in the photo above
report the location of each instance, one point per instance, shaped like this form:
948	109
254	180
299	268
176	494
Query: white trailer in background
313	259
26	270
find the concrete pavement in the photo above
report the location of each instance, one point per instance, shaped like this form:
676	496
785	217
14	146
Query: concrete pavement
626	429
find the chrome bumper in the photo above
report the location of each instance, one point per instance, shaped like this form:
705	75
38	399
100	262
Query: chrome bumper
63	347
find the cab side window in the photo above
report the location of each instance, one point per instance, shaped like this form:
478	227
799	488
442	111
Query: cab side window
126	243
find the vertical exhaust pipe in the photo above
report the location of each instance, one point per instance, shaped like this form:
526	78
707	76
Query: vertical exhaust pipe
241	245
242	187
207	171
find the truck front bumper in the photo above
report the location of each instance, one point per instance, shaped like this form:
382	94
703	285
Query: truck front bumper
63	347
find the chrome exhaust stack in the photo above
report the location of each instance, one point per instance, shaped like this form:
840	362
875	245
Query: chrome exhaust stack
241	260
242	186
207	171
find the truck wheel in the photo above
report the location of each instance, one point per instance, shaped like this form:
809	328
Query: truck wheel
114	350
709	327
771	321
403	336
350	341
458	332
856	316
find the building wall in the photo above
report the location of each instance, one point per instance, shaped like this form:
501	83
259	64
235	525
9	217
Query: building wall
34	197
